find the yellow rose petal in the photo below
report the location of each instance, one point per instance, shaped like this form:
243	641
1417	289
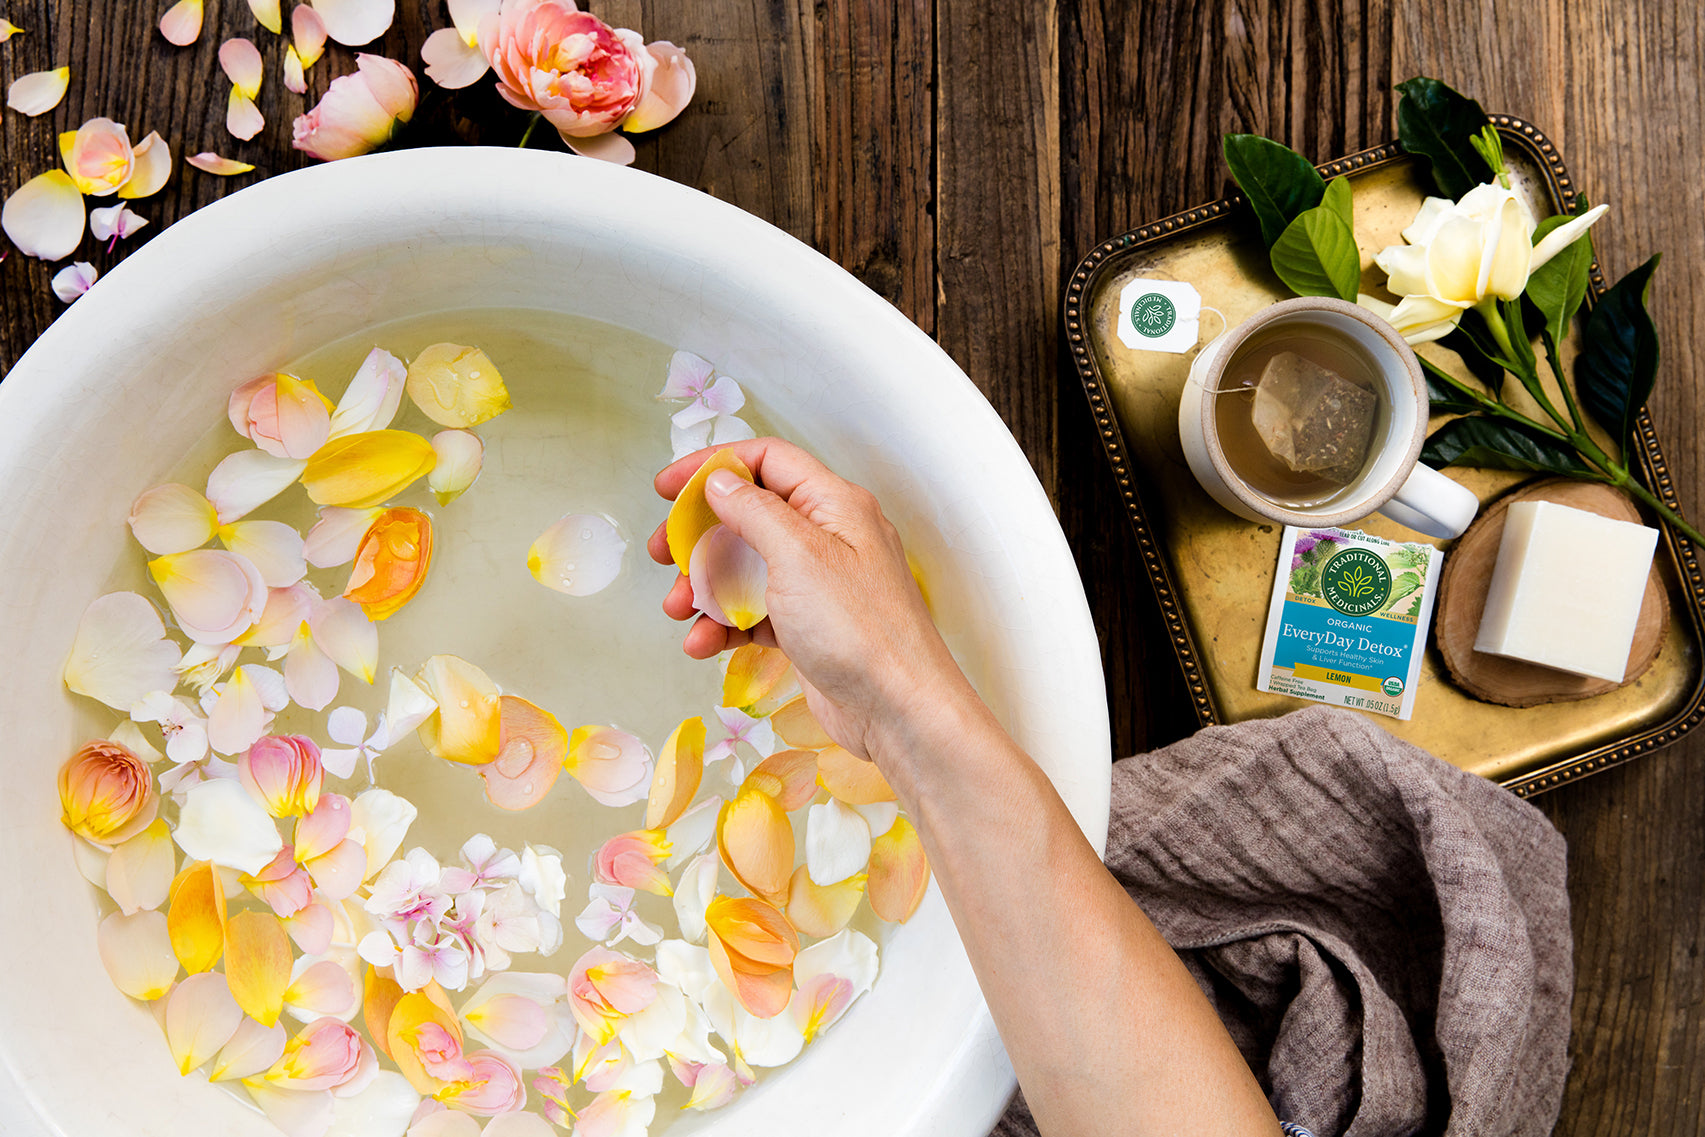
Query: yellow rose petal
360	470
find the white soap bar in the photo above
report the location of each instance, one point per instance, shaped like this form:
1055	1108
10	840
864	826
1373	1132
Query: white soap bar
1567	588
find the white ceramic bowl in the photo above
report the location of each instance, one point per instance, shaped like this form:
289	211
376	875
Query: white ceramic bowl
117	390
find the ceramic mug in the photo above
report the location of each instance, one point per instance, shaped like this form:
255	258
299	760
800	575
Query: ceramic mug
1391	481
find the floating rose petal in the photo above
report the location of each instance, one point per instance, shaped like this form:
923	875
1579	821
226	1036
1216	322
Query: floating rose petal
613	765
337	535
795	725
355	22
830	976
283	773
693	894
728	578
493	1087
152	166
140	870
693	831
391	562
879	815
850	778
282	884
181	25
249	479
307	33
411	705
519	1124
604	987
451	61
755	838
268	14
244	707
216	595
348	725
310	676
285	416
758	679
274	548
632	860
201	1017
213	163
424	1038
71	282
365	469
752	947
790	777
467	726
579	555
318	989
120	653
691	517
822	911
460	456
312	929
39	91
532	747
383	819
837	842
294	1113
114	223
899	873
670	89
456	385
106	793
137	953
327	1055
344	633
680	766
257	964
98	156
713	1086
444	1123
252	1049
616	1113
371	400
493	1016
195	921
383	1107
44	216
220	822
282	618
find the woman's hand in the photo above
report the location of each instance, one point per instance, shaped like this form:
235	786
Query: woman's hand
842	602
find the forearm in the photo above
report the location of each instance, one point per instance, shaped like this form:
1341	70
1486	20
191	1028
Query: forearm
1106	1029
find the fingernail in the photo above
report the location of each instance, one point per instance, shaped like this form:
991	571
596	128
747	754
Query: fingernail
722	482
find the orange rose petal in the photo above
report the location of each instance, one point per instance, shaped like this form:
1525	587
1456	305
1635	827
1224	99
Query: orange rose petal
532	746
851	778
764	995
257	964
795	725
755	838
818	911
899	873
789	776
680	766
691	516
391	562
380	996
467	726
752	947
195	919
755	675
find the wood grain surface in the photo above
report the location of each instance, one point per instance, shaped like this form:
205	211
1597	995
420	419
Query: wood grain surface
959	156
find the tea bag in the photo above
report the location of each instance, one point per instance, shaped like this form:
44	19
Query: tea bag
1312	420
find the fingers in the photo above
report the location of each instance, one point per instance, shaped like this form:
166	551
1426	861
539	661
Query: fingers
758	517
779	465
678	605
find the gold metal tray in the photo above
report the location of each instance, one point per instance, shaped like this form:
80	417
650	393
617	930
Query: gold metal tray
1213	572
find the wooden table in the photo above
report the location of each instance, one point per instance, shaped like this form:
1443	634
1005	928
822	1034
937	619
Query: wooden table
960	157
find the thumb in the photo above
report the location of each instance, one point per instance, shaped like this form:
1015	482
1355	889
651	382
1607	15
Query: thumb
757	516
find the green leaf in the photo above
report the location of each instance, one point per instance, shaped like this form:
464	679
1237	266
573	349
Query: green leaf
1437	123
1279	182
1317	255
1442	398
1618	362
1499	445
1558	286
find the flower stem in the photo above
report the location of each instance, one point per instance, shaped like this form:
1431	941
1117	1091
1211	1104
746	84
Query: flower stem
527	135
1631	485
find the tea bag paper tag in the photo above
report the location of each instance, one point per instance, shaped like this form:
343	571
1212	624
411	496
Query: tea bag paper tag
1159	315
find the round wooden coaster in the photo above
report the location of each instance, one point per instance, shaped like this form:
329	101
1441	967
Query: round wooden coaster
1462	597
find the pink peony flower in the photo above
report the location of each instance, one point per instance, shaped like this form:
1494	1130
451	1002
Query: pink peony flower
358	112
584	76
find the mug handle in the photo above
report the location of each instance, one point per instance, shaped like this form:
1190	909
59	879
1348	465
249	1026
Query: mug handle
1431	503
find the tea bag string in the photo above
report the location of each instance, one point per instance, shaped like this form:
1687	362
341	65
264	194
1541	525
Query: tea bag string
1225	326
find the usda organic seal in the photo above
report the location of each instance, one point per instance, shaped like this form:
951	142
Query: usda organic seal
1356	582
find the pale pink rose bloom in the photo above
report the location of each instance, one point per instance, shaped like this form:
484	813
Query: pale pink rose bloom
358	112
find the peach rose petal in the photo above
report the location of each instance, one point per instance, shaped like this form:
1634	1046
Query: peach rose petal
532	746
850	778
195	920
251	1050
899	873
380	996
795	725
201	1017
213	163
140	870
311	929
257	964
752	948
137	953
680	766
452	62
612	765
755	838
39	91
756	675
269	16
789	776
691	517
817	911
151	167
320	989
181	25
44	216
343	631
98	156
391	563
355	22
120	653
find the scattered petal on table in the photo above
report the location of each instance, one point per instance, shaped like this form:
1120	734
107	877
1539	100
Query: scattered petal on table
452	61
114	223
181	24
241	62
153	165
214	164
355	22
74	279
39	91
269	15
8	29
307	34
44	216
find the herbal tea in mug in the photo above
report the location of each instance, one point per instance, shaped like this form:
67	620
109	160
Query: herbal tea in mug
1297	414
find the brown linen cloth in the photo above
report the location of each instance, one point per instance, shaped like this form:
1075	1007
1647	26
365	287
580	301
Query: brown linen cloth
1385	936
